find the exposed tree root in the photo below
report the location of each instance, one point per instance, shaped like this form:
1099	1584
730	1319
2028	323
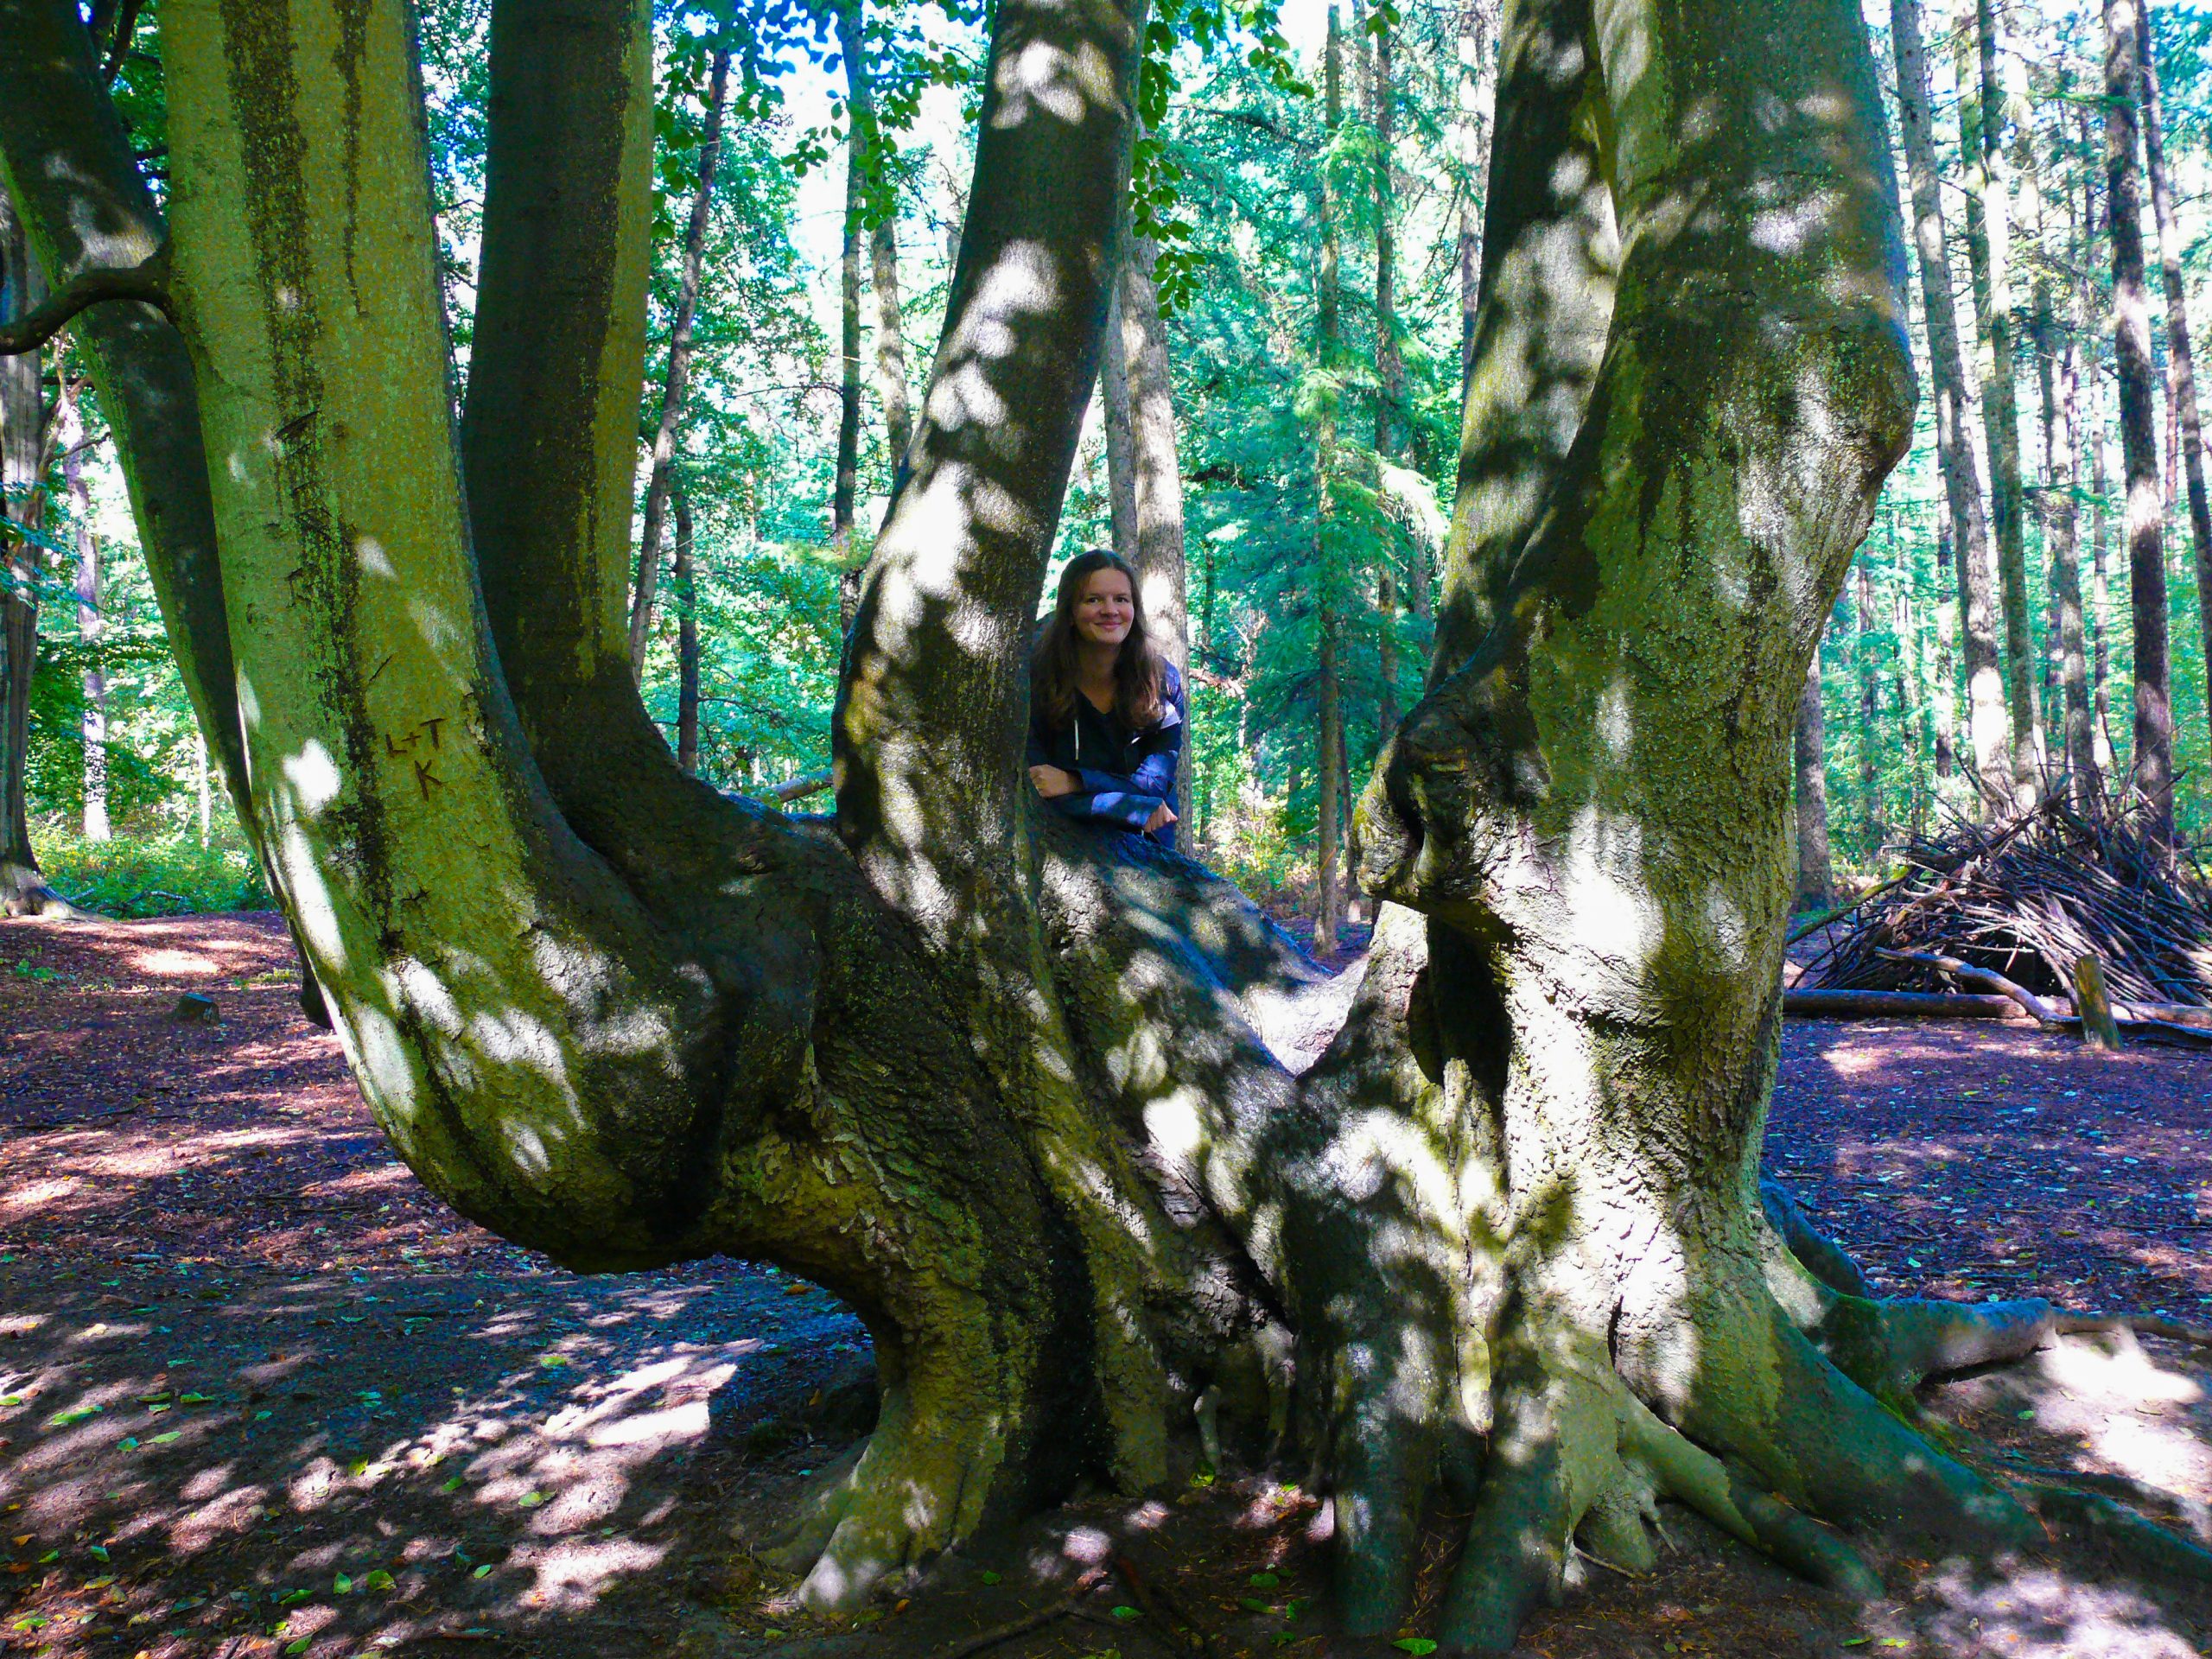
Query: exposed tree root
24	891
2192	1512
2134	1540
2142	1325
1578	1464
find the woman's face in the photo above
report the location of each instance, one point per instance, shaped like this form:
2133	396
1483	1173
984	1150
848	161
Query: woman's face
1104	609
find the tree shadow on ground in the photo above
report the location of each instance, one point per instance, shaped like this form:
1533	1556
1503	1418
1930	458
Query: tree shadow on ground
559	1465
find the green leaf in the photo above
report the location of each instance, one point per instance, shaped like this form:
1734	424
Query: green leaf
986	1576
1127	1613
1254	1605
292	1596
300	1646
532	1500
453	1485
1416	1645
341	1585
555	1361
68	1418
1263	1580
100	1550
378	1580
482	1572
164	1439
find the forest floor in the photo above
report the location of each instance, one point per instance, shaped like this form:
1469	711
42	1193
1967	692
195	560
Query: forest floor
260	1394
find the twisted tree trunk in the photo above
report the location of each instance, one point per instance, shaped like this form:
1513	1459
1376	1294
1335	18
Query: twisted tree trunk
1058	1112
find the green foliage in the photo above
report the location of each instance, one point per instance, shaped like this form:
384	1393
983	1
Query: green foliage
165	873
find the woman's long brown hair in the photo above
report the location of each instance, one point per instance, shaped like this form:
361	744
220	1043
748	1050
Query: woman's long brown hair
1136	666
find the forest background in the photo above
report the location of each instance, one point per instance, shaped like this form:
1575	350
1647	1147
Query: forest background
1314	195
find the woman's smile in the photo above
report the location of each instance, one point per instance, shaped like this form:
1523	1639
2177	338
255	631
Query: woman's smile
1106	609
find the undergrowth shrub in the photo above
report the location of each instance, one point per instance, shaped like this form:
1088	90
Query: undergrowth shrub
164	872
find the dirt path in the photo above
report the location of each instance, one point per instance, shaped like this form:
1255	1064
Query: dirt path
259	1394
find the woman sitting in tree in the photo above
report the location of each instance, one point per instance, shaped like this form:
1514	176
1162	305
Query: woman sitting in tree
1105	712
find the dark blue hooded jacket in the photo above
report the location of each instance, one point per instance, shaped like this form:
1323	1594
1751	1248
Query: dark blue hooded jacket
1125	774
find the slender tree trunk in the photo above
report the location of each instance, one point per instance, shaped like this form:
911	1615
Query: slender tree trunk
880	211
1945	676
203	784
92	622
23	444
1989	252
1991	768
1163	566
2181	368
845	488
1815	875
1390	361
1905	628
1119	428
2061	361
676	387
1328	693
687	634
1328	913
2100	613
2153	771
890	337
1871	825
1473	146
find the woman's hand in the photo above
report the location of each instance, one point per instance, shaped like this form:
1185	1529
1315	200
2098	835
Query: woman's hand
1160	818
1053	781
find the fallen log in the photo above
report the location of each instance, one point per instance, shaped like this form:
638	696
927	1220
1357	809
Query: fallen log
1824	1004
2038	1009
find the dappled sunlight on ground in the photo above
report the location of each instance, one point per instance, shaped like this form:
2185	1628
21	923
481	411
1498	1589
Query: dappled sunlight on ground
257	1389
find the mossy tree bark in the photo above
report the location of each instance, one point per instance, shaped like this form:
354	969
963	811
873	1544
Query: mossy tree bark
1615	927
1059	1115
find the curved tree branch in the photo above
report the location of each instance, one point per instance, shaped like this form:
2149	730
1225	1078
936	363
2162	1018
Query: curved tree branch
932	703
147	282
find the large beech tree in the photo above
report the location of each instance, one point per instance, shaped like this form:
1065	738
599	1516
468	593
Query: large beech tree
1083	1140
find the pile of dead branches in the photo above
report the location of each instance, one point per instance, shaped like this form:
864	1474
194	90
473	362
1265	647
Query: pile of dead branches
2027	899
